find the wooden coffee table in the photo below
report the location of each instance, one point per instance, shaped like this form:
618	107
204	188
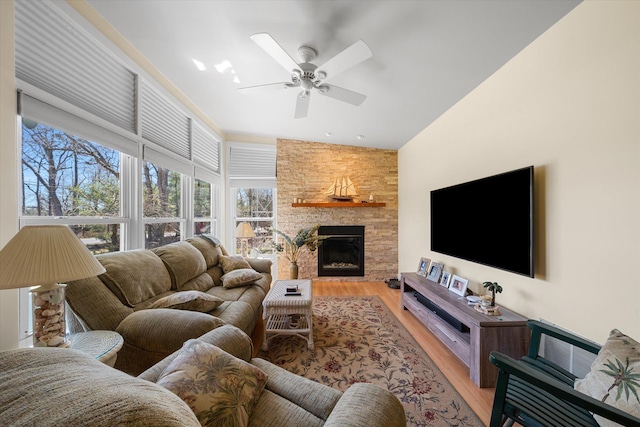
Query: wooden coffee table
288	315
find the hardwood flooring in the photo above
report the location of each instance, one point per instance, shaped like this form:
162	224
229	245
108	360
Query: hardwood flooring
480	399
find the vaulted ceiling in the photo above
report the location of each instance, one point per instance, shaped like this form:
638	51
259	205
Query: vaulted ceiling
427	55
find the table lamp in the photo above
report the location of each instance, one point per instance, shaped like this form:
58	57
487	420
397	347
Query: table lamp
244	232
44	256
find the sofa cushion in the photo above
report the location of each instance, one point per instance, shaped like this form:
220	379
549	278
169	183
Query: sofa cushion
221	390
620	355
189	300
134	276
230	263
200	283
240	277
209	251
183	261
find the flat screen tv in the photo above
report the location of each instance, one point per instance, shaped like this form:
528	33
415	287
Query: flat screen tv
488	221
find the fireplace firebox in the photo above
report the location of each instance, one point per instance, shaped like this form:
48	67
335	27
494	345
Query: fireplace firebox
342	250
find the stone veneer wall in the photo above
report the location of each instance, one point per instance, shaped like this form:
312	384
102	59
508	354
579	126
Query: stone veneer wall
306	169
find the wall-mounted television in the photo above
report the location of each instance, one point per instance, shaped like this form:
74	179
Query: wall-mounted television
488	221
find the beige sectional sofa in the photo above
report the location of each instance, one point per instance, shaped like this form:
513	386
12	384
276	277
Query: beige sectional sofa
136	297
54	386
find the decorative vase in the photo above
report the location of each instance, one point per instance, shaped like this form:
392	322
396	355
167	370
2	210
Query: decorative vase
293	271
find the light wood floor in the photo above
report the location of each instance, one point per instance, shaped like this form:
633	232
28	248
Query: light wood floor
480	399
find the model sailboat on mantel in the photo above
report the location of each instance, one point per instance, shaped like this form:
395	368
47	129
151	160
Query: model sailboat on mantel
342	189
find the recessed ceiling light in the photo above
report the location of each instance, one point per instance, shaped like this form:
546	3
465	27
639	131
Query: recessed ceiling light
329	133
223	66
199	64
360	136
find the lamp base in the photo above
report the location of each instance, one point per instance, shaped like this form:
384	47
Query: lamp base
49	327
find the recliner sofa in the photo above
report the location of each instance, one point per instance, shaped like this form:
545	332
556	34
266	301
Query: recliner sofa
121	299
60	386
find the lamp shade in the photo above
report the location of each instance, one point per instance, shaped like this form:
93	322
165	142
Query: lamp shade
45	254
244	230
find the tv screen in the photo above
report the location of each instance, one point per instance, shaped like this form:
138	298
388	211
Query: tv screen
488	221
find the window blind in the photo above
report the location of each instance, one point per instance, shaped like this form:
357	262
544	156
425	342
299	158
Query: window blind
252	161
163	123
206	148
56	55
166	161
52	116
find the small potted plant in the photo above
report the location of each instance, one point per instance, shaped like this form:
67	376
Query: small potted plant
494	288
292	247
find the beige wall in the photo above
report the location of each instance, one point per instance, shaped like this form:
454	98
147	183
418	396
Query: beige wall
306	169
569	104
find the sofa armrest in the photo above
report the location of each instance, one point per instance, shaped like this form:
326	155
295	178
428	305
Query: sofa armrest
260	265
312	396
367	405
228	338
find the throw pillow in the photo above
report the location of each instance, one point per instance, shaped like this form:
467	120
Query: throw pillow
241	277
614	377
230	263
220	389
189	300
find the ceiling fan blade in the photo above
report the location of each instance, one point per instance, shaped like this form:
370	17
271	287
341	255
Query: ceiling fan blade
302	104
269	45
265	88
341	94
353	55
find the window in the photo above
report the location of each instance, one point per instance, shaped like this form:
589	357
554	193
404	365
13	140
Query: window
256	206
69	180
203	209
162	205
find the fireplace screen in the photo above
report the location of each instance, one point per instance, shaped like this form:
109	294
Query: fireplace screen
342	251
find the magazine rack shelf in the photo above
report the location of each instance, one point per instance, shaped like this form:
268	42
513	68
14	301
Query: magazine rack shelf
469	334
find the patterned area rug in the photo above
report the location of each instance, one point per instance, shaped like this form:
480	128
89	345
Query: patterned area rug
358	339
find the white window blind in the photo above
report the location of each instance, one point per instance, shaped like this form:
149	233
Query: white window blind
56	55
252	161
163	123
52	116
206	148
166	161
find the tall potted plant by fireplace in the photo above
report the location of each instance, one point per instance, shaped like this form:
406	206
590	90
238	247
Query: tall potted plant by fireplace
292	248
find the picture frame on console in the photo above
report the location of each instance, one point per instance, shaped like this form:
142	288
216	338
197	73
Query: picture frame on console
458	285
445	279
435	271
422	266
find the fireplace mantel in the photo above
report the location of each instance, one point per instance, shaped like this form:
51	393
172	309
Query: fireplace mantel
339	205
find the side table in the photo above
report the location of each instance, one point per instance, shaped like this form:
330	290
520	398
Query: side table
288	315
102	345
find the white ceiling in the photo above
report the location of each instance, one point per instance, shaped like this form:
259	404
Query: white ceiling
427	55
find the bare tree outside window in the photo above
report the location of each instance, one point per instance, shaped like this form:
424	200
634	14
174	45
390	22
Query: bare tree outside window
66	176
255	206
161	199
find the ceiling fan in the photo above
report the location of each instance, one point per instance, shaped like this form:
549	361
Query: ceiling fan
308	76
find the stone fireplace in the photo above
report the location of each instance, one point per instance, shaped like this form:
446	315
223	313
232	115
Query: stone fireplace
342	251
306	169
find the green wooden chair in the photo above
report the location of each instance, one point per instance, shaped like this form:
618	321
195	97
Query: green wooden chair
535	392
